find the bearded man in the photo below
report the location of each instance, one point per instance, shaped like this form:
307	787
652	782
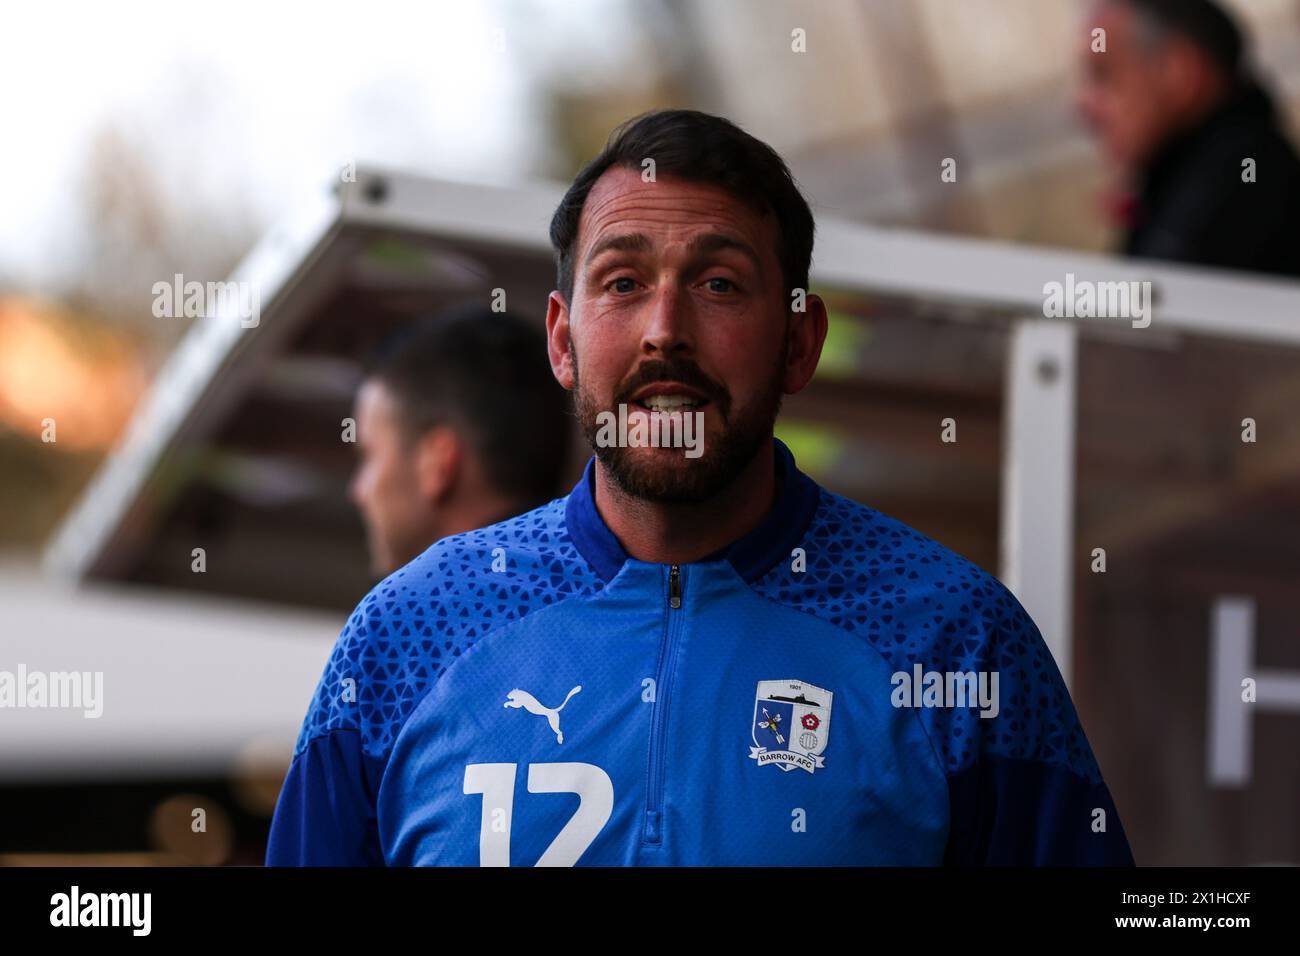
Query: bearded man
724	663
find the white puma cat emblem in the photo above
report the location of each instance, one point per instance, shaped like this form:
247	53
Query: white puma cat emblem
521	698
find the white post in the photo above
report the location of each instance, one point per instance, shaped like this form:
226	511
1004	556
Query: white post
1232	661
1037	520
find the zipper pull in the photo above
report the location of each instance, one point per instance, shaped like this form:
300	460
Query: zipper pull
675	587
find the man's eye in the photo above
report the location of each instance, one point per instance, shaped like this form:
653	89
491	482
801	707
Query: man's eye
622	284
721	285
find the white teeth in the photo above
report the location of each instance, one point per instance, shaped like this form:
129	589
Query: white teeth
666	403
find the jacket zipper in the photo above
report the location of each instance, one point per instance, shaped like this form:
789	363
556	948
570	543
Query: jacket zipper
652	833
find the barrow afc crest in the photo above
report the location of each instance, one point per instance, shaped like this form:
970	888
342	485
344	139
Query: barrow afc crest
791	725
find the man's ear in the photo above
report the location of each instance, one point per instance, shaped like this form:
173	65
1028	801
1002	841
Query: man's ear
1185	72
557	340
807	335
439	457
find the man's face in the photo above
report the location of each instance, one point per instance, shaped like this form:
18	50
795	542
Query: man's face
385	487
678	295
1124	94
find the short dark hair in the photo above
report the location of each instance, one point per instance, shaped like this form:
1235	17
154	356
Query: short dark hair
1206	24
485	373
700	148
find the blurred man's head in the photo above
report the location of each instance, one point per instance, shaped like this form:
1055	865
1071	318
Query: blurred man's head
459	424
675	291
1167	63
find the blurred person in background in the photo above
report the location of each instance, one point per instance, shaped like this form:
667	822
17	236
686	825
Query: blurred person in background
1177	111
459	425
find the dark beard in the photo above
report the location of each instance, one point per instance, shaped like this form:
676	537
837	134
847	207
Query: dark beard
671	477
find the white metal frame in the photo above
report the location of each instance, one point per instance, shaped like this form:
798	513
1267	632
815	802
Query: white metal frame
192	373
1230	737
1037	516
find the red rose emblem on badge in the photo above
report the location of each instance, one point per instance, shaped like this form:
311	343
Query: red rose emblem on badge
811	722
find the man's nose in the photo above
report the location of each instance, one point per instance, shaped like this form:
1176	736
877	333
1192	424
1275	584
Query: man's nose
354	488
1083	109
670	323
1087	104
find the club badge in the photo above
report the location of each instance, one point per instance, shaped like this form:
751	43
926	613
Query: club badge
791	725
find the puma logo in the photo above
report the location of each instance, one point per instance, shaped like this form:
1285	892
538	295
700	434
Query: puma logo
521	698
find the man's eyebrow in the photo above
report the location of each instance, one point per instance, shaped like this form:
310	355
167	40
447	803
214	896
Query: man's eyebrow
717	241
623	242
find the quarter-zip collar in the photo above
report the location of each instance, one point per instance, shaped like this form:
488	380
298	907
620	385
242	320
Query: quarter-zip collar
751	555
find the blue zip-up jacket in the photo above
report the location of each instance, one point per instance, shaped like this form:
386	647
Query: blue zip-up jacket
528	694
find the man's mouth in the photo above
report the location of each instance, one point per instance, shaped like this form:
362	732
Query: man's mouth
668	397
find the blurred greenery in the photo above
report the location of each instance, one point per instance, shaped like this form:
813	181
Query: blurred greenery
815	446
